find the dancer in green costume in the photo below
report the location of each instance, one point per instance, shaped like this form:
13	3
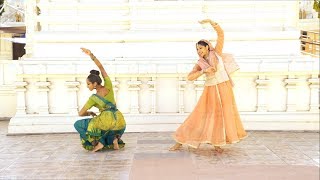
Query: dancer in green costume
104	130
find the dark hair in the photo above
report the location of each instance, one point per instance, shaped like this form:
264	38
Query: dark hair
94	77
202	43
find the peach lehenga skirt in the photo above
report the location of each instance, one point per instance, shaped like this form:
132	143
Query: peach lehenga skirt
215	119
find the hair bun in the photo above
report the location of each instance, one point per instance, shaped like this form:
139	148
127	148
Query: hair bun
95	72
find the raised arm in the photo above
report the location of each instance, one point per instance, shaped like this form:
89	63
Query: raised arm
220	35
96	61
220	39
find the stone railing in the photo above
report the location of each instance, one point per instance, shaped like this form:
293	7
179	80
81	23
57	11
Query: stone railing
270	94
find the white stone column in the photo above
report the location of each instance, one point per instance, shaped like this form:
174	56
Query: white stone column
291	93
262	86
152	84
134	99
43	96
145	98
190	96
2	74
167	94
314	93
21	97
123	96
133	14
73	100
31	24
5	47
182	85
199	86
303	93
115	88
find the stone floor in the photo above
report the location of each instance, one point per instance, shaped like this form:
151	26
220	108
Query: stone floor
60	156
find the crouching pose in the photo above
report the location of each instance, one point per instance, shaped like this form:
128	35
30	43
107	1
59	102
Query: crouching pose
104	130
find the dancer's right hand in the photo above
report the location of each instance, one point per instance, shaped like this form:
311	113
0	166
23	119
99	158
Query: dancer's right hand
90	113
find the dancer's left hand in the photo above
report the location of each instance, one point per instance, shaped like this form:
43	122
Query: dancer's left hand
86	51
210	70
206	21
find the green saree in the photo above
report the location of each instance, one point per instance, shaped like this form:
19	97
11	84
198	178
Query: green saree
106	126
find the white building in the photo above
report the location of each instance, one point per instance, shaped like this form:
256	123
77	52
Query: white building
148	47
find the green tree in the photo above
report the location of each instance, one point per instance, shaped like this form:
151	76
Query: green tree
316	6
1	3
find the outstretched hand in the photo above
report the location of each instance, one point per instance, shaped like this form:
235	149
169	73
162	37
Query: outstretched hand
86	51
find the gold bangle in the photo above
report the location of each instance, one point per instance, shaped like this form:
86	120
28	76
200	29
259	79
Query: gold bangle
214	24
92	57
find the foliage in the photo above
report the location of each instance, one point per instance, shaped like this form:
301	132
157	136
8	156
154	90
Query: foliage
316	6
1	3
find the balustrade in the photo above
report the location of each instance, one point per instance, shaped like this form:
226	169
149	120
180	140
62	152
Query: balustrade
164	93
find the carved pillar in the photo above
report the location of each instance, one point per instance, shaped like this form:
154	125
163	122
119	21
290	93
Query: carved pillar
123	95
262	86
303	93
21	97
314	93
152	84
145	96
31	24
190	96
115	88
1	70
133	14
134	101
291	93
43	96
199	85
5	47
73	100
181	95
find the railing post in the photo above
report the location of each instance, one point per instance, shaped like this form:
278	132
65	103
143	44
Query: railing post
21	97
73	101
134	99
291	93
43	96
314	93
145	98
262	85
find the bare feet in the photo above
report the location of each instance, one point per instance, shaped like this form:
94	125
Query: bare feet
97	147
175	147
218	149
115	144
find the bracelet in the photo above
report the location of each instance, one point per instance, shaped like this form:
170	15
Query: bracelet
92	57
214	24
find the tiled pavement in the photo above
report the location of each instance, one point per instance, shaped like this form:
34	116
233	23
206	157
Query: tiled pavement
60	156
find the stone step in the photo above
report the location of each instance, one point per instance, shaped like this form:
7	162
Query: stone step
159	36
164	15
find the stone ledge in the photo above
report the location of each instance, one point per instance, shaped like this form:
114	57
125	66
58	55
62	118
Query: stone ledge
158	36
299	121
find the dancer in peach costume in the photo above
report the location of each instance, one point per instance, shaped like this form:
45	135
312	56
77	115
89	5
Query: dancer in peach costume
215	119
